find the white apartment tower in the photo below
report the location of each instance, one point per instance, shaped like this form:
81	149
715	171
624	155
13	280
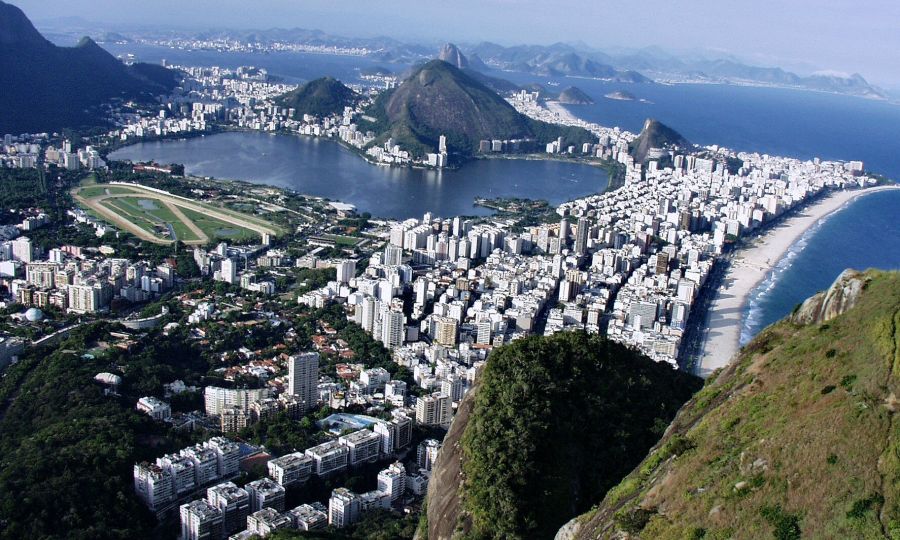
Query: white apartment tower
304	377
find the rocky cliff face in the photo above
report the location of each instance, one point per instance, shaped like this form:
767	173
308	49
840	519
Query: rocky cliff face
839	298
451	54
445	514
797	438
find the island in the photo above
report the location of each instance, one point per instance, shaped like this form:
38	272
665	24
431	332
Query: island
621	95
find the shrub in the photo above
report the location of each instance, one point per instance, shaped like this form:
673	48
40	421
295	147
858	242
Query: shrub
787	526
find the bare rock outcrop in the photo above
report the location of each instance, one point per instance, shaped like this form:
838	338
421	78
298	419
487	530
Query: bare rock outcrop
826	305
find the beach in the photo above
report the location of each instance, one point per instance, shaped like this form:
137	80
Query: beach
752	264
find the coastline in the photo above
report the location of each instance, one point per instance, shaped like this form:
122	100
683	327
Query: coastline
749	266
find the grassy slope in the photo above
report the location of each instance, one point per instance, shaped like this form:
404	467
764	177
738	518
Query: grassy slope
804	418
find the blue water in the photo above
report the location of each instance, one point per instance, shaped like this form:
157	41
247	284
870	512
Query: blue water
325	169
776	121
864	234
767	120
292	67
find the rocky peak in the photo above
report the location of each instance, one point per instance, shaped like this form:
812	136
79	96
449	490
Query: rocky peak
451	54
826	305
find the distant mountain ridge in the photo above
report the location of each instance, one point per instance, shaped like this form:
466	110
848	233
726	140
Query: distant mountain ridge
551	61
451	54
48	88
578	60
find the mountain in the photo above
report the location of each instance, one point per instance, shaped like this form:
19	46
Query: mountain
451	54
732	70
656	135
319	97
574	96
552	424
797	438
557	60
47	88
715	67
439	99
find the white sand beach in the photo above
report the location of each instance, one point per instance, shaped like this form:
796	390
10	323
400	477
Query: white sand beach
749	267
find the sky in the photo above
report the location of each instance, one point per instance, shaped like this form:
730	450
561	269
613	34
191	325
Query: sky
835	35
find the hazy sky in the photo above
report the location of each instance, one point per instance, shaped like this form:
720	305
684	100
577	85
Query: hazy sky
839	35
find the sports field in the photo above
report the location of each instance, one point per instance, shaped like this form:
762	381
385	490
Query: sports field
163	218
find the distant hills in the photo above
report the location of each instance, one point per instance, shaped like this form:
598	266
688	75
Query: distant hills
320	97
48	88
551	61
797	438
577	60
440	99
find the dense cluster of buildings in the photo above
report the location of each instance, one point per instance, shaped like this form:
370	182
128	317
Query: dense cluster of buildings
235	265
26	152
238	45
162	484
258	508
237	408
71	281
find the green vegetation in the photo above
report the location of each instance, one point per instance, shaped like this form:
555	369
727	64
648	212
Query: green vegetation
556	422
150	213
319	97
68	448
575	96
33	188
215	228
797	438
439	99
95	191
35	69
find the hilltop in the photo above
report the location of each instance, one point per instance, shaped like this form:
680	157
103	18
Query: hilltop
656	135
474	68
440	99
47	88
552	424
797	438
575	96
319	97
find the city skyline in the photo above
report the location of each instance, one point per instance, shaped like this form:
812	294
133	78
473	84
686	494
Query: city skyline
800	36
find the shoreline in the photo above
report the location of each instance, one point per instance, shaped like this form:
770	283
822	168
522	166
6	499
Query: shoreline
752	264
